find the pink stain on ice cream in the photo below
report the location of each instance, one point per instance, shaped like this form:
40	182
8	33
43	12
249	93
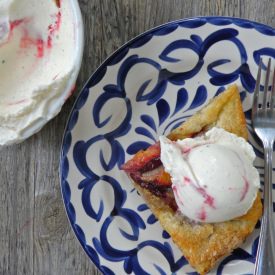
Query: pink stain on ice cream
53	28
175	190
27	42
13	25
16	23
245	189
202	215
17	102
186	180
209	200
186	150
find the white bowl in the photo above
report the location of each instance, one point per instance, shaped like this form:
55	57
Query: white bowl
53	105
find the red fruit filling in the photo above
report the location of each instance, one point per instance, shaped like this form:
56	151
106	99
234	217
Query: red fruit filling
146	169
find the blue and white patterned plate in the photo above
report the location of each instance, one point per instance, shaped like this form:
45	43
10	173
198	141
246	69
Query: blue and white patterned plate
145	89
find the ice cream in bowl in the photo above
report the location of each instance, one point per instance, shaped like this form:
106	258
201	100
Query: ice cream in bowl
41	46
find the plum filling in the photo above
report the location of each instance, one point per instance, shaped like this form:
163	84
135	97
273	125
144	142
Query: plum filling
164	192
146	169
153	177
151	186
151	165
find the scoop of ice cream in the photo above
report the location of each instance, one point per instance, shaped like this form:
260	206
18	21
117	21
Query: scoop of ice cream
213	177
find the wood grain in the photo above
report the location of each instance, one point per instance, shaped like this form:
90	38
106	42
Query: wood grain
35	236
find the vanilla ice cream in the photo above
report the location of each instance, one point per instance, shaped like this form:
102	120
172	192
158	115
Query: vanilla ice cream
38	51
213	178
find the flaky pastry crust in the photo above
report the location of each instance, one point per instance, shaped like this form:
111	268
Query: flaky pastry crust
203	244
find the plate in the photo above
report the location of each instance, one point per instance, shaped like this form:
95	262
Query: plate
146	88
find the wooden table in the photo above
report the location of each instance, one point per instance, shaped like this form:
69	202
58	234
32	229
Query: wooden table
35	236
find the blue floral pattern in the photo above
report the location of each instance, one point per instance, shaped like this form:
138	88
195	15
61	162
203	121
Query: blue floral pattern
147	88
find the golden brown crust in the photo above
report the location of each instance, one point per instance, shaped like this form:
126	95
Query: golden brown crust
224	111
204	244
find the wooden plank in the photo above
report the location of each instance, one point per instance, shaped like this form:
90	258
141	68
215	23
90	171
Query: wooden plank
35	236
16	210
